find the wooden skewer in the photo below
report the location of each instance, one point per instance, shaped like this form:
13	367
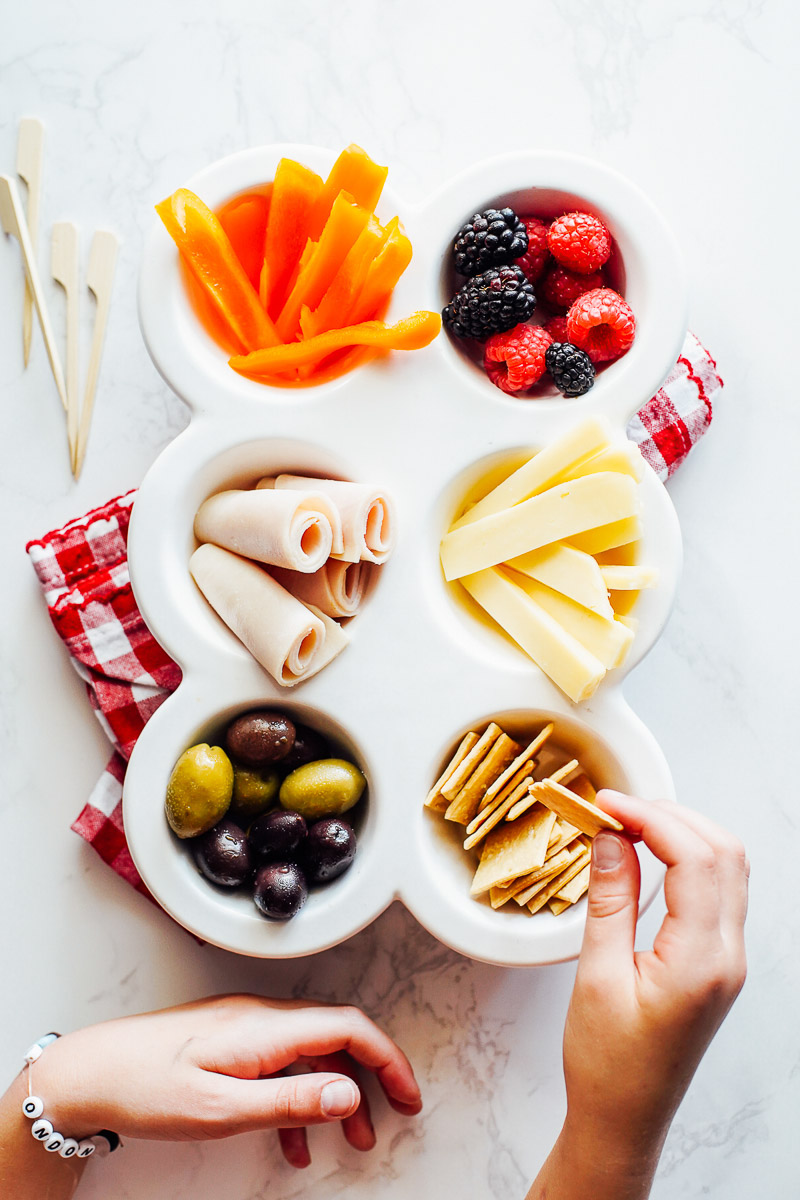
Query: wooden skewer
64	269
30	141
13	221
100	279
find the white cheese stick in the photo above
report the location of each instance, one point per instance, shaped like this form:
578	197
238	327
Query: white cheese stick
560	655
569	571
367	516
627	459
337	588
629	579
284	529
608	537
552	516
609	641
544	470
281	633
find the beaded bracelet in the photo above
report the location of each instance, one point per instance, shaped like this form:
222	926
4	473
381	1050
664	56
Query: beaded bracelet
103	1142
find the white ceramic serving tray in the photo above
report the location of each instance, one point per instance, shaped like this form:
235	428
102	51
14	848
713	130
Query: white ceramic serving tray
420	670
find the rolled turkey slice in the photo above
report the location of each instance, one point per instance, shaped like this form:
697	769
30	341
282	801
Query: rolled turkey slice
284	636
335	641
332	512
367	515
336	589
282	528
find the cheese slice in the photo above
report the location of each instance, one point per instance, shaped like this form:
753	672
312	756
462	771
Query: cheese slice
558	513
629	579
627	459
608	537
609	641
559	654
543	470
569	571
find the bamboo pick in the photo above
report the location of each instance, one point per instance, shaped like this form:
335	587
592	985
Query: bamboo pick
100	280
30	140
64	269
12	218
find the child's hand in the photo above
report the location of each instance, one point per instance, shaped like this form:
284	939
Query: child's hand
639	1023
218	1067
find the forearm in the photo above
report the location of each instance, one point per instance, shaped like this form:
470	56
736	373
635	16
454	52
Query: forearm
27	1171
585	1162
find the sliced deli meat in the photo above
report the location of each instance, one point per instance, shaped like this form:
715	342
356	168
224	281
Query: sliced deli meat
286	529
369	524
284	636
336	589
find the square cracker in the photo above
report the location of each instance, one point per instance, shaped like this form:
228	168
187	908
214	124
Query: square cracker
573	808
434	798
555	885
512	850
459	777
466	803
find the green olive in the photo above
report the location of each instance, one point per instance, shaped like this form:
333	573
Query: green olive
326	788
255	789
199	790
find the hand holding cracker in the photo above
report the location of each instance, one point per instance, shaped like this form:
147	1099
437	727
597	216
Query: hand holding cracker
639	1022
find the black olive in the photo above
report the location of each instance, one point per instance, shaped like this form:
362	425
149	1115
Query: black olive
280	890
276	836
328	850
260	737
223	855
309	746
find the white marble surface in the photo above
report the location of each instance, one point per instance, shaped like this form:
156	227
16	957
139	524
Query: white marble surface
694	99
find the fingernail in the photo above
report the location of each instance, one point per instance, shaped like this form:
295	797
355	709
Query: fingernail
337	1098
606	852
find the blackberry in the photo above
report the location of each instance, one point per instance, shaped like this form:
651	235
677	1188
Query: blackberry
571	368
490	239
490	303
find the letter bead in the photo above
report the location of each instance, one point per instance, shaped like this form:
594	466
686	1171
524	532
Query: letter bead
41	1129
54	1142
69	1148
85	1148
32	1107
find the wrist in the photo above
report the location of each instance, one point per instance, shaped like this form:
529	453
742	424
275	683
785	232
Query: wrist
614	1143
61	1077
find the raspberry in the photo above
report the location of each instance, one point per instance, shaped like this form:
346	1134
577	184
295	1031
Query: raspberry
489	239
602	324
579	241
515	360
557	328
561	287
496	300
571	369
533	262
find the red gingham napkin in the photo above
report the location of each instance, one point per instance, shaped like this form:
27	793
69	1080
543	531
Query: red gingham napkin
83	570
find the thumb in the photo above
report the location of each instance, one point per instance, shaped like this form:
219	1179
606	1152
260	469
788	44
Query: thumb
291	1101
613	903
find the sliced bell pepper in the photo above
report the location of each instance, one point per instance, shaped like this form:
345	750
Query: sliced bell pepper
412	333
353	172
333	310
207	251
342	228
295	191
245	220
383	274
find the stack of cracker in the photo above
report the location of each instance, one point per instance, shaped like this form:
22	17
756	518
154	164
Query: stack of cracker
533	835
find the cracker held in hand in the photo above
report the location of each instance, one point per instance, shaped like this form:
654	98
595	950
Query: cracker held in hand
573	808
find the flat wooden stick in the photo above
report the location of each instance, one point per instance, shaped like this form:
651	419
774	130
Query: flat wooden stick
100	279
30	141
64	269
13	221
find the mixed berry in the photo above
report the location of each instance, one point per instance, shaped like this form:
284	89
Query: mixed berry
583	322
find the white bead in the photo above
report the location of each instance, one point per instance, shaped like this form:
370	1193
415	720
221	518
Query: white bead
69	1148
85	1148
54	1142
32	1107
41	1129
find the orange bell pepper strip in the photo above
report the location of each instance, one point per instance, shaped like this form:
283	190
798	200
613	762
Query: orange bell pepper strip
412	333
244	220
342	228
295	191
208	253
383	274
333	310
353	172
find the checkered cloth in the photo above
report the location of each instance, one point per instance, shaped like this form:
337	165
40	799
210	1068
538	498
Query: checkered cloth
83	570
